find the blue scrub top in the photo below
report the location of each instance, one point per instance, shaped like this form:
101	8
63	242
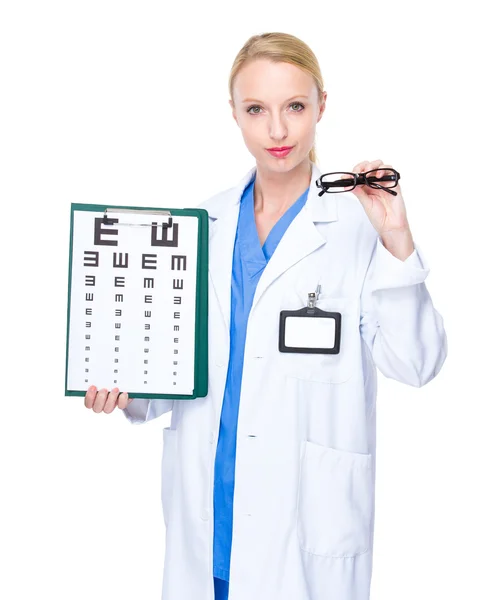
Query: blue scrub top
249	261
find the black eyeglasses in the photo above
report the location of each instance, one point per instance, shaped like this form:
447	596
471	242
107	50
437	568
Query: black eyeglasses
331	182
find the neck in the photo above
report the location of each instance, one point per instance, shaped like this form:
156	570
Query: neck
275	192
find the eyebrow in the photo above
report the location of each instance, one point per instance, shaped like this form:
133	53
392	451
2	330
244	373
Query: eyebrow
254	100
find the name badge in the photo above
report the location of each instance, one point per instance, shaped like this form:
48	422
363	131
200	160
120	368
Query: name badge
310	330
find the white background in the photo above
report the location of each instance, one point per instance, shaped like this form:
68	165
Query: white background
125	103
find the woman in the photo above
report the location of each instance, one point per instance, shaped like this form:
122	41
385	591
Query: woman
276	501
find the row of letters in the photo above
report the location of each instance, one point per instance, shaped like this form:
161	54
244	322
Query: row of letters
121	260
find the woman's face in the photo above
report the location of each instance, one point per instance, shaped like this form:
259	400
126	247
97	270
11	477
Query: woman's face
275	105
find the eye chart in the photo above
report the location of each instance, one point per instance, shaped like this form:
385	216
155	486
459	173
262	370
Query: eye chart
138	301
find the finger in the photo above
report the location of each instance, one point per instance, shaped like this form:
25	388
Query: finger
381	172
374	165
370	166
90	396
100	400
360	167
123	400
111	400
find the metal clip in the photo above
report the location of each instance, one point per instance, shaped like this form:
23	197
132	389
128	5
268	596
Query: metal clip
313	297
160	212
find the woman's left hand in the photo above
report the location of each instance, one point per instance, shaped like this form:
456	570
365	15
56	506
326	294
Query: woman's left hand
386	212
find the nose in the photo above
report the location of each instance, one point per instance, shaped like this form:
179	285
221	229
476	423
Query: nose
278	128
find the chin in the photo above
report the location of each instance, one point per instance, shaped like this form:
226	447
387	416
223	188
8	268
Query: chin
288	163
278	165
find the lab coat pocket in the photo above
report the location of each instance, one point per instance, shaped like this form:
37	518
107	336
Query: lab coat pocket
168	467
335	501
328	368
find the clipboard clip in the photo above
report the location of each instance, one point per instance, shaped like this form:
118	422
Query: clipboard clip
159	212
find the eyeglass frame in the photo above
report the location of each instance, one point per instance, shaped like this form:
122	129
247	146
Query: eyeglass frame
360	179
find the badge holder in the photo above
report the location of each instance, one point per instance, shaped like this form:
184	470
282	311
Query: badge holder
310	330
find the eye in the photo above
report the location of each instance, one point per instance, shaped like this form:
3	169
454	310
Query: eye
298	104
254	106
291	104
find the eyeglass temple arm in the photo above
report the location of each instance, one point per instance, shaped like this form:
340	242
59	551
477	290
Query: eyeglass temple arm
361	179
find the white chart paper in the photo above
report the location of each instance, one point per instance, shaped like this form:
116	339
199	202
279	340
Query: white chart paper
133	302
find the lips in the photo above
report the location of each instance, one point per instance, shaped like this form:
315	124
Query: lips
280	153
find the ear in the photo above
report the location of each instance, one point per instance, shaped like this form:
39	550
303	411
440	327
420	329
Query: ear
322	106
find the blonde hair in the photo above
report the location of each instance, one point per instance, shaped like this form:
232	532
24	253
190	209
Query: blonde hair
279	47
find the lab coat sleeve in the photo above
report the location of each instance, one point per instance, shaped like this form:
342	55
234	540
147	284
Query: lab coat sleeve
398	321
142	410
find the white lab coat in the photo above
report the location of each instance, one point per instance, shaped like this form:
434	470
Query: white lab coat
303	517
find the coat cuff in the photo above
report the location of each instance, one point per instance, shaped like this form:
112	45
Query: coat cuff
391	272
142	410
138	410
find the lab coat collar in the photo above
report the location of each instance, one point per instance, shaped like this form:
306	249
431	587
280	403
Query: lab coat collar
319	209
301	238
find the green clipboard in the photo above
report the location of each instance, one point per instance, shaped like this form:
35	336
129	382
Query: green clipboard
200	388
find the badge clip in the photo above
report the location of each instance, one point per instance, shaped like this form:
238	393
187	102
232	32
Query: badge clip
313	297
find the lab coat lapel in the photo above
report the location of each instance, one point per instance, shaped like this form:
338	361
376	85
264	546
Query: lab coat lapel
224	208
300	239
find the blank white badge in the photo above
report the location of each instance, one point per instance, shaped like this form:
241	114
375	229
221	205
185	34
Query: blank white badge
309	332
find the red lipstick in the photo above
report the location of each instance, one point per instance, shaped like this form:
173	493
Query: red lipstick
280	151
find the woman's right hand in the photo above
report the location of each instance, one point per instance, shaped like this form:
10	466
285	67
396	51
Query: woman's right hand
104	401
